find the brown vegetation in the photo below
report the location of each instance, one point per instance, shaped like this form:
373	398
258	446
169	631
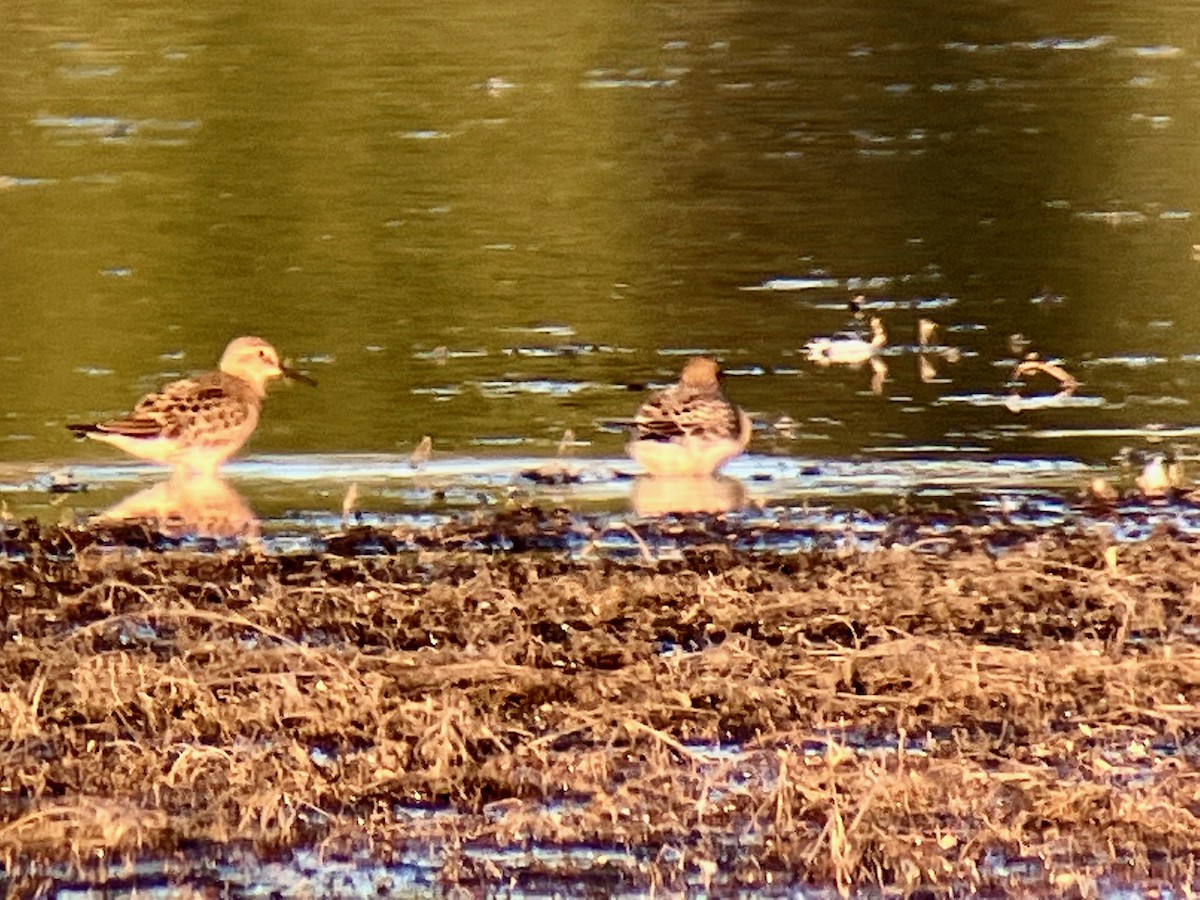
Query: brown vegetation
945	720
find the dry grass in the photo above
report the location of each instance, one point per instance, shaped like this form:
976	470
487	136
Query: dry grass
896	719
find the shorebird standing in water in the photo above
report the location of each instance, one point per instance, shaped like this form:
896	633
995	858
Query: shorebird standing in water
195	424
689	428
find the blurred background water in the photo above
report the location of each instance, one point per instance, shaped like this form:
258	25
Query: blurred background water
491	223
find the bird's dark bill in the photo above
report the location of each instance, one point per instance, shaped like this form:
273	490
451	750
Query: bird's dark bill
294	375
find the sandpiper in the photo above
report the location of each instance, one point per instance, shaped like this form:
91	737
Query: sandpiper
195	424
689	428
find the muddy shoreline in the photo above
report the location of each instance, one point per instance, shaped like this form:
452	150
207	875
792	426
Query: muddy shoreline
995	709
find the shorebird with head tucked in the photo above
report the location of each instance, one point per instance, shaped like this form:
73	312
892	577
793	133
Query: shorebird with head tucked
196	424
846	348
689	428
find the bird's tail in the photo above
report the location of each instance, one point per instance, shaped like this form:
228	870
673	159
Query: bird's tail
82	429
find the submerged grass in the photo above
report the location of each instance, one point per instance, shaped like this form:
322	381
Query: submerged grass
902	719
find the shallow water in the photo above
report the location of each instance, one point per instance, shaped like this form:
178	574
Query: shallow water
304	493
571	204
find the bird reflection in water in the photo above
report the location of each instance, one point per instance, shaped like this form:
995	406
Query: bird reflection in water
188	505
659	495
930	352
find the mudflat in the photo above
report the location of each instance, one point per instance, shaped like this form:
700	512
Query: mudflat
940	715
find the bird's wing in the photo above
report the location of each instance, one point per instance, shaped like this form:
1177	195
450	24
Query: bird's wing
180	407
675	413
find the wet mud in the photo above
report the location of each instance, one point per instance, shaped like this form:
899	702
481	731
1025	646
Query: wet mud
491	705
